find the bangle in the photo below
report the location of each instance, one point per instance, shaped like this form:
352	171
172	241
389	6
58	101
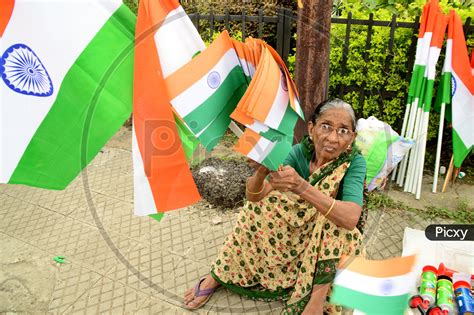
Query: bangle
330	208
253	193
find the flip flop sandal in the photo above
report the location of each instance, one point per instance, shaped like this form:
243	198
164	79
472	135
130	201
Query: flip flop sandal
198	292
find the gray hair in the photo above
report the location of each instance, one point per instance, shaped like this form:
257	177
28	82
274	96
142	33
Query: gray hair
334	104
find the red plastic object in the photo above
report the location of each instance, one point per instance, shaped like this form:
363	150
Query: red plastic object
416	301
435	311
461	284
443	270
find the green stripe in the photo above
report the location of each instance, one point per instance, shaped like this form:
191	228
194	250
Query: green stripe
416	79
214	132
287	124
369	304
460	151
188	140
206	112
53	156
279	153
428	95
444	95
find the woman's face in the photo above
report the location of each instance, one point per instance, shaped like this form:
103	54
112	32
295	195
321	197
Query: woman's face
332	133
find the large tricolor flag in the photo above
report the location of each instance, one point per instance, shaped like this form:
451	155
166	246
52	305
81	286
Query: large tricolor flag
202	88
166	40
66	70
462	101
374	286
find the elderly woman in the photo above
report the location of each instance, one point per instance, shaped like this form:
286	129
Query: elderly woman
298	221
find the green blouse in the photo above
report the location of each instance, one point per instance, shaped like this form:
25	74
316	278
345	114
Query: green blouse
352	184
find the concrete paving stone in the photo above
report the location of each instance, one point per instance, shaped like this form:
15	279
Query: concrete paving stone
108	183
155	306
146	269
102	252
383	247
28	222
119	218
108	296
116	160
185	275
121	162
226	302
205	249
27	277
97	204
72	281
176	232
12	210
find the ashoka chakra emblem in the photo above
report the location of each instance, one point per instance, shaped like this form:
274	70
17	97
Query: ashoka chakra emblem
23	72
213	80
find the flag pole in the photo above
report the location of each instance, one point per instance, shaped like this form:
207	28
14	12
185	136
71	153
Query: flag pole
438	148
402	133
448	174
235	129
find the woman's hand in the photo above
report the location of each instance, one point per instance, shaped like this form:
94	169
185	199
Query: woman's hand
259	168
287	179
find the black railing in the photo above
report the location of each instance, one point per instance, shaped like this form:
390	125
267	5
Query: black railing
283	24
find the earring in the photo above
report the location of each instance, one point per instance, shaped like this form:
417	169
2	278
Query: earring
310	138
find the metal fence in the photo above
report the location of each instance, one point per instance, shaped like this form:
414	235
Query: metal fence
284	27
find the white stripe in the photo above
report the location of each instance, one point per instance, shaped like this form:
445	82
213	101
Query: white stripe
424	47
200	91
447	67
177	40
388	286
261	150
463	111
278	109
144	203
432	61
57	31
248	67
258	127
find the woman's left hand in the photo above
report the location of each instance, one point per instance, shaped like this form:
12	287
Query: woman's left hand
286	179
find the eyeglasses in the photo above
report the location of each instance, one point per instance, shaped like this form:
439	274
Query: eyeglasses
342	132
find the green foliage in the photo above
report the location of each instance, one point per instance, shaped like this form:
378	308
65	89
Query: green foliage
132	4
462	213
405	10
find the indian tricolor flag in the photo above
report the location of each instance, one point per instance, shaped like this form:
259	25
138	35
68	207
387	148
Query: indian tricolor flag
267	149
462	101
205	91
374	286
166	40
66	71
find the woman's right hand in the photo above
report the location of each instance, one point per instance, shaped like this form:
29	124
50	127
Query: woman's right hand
259	168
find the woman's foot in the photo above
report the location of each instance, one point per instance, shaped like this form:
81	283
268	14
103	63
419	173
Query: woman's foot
196	297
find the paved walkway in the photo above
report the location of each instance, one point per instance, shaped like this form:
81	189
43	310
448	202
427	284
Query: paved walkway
117	262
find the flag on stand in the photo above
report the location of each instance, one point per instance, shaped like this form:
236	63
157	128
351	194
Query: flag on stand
462	101
374	286
66	86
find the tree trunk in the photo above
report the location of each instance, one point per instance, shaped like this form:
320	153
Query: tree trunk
312	57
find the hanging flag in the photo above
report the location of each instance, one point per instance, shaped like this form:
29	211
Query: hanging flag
462	101
374	286
205	91
66	86
166	40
